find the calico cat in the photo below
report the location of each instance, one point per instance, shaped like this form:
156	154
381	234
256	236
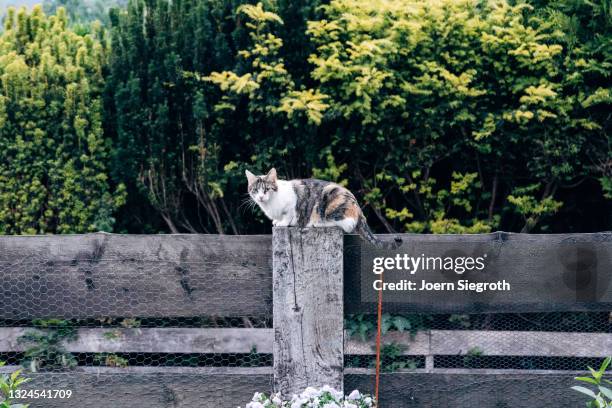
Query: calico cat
310	203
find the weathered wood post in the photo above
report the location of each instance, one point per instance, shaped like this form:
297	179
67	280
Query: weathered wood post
308	308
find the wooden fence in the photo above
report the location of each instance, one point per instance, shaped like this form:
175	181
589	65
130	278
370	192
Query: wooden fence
298	277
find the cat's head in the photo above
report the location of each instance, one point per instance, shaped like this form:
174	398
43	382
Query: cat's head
261	188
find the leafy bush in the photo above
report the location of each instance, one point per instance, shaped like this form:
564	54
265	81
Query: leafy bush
53	153
469	102
325	397
364	326
45	345
392	358
444	116
9	383
602	396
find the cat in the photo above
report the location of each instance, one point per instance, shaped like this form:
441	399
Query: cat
310	203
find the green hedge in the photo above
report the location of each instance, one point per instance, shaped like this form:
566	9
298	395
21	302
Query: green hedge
443	116
54	173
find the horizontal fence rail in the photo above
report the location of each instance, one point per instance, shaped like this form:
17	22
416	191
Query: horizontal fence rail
147	387
547	272
472	388
423	343
151	387
84	276
152	340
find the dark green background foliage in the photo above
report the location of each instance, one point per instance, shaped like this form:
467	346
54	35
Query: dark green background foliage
442	116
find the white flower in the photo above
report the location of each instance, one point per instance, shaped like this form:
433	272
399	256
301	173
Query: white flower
327	388
310	392
337	395
314	402
311	398
355	395
299	402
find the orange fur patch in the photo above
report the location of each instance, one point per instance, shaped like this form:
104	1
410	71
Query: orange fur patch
337	202
314	216
352	211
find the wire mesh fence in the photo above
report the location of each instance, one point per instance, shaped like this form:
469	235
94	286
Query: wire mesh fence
157	321
140	321
510	359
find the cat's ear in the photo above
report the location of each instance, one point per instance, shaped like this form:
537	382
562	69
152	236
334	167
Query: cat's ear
271	176
250	177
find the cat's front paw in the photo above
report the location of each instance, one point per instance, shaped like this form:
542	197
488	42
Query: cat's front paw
282	223
275	223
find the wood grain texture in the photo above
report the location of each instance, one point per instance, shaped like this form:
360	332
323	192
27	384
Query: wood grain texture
493	343
467	390
170	387
308	308
153	340
521	343
424	343
552	272
152	387
418	346
92	275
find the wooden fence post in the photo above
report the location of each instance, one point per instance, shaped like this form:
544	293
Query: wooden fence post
308	308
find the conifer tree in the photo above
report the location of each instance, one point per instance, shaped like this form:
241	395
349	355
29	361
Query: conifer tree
54	156
167	150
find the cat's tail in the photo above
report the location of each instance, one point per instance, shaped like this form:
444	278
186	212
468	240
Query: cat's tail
365	232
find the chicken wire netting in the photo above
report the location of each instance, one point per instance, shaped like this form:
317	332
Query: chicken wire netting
536	331
93	314
519	348
490	360
137	321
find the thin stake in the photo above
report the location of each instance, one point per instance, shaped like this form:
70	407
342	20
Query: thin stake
378	338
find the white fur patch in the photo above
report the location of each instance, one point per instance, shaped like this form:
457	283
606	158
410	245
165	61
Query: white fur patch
348	224
281	206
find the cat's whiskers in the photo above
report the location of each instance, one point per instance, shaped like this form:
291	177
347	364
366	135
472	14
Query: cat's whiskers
247	204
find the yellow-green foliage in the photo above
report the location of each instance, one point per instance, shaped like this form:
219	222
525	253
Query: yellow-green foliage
485	89
428	77
443	116
53	154
268	75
